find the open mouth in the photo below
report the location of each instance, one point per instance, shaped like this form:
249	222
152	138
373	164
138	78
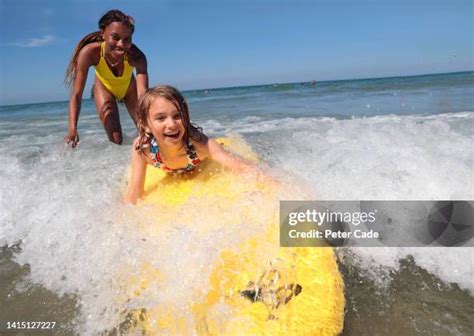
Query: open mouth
172	135
119	51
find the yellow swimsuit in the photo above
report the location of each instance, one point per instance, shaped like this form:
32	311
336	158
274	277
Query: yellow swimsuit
118	85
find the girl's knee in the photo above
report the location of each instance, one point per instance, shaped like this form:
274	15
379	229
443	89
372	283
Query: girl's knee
115	137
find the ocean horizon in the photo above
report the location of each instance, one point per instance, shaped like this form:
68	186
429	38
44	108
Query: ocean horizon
249	86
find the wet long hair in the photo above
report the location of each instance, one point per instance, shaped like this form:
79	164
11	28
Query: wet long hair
113	15
171	94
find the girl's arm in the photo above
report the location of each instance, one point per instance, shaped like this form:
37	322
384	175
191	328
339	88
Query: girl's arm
216	153
75	101
137	179
141	67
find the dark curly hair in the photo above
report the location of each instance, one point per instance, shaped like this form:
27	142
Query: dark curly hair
113	15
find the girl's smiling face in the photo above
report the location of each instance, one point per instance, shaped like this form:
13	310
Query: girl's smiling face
165	122
118	38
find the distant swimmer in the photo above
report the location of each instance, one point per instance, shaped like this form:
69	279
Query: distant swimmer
114	57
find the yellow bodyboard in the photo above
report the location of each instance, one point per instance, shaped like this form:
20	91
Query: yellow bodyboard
254	287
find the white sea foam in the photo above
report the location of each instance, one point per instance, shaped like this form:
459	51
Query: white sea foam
64	206
387	158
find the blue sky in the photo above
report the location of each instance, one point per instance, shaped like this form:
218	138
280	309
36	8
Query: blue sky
207	44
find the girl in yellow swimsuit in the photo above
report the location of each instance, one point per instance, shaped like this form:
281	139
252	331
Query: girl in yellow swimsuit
111	51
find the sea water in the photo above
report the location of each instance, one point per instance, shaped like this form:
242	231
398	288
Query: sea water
65	234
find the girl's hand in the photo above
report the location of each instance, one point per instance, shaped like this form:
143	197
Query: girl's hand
130	199
266	179
72	138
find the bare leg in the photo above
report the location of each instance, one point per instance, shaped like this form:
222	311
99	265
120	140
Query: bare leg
131	100
108	112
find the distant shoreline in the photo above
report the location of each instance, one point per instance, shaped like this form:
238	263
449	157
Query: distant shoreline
271	84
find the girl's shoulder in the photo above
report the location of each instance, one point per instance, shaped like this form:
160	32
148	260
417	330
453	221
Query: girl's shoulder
91	53
135	55
200	142
142	148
